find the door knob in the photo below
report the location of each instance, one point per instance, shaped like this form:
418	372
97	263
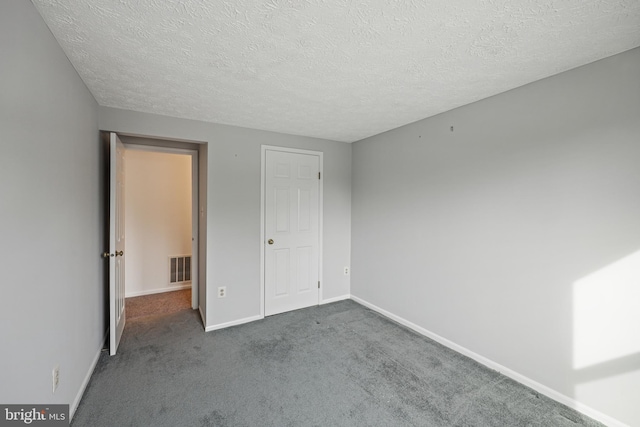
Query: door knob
270	241
119	253
106	255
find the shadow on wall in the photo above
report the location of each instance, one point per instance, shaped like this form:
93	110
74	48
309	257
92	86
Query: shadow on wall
606	335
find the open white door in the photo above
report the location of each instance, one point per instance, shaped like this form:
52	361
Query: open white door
291	225
116	242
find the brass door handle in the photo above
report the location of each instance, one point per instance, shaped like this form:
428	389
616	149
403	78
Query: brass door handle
107	254
270	241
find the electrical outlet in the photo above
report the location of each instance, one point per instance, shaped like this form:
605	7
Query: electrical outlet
346	271
222	291
56	377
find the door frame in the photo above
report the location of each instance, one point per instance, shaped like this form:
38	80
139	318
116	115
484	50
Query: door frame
263	170
194	208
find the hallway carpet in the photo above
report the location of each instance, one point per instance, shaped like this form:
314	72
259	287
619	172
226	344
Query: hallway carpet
339	364
158	304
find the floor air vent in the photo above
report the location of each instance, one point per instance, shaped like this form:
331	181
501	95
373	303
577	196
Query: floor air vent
180	269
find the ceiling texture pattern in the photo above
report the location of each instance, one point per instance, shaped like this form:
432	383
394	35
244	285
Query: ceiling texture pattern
335	69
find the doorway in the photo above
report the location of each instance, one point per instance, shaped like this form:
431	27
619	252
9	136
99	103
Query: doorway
187	265
158	228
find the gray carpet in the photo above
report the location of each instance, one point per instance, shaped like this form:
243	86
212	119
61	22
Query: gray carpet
335	365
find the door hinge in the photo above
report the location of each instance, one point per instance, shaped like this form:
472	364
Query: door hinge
318	284
318	175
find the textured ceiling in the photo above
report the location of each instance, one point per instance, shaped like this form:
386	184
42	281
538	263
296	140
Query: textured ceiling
334	69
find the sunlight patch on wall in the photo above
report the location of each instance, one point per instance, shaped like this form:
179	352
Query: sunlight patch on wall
606	318
604	393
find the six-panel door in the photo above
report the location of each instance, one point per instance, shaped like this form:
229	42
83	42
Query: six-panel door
292	215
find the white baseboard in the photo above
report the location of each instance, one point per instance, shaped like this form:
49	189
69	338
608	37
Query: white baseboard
233	323
541	388
335	299
157	291
87	378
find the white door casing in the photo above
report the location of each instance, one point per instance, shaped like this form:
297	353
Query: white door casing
117	316
292	220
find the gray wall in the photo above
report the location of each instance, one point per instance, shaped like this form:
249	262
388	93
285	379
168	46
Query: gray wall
233	205
51	308
480	235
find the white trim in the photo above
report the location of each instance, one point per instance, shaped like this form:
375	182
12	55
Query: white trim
87	378
165	139
195	229
291	150
233	323
263	159
335	299
543	389
263	168
157	291
321	227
